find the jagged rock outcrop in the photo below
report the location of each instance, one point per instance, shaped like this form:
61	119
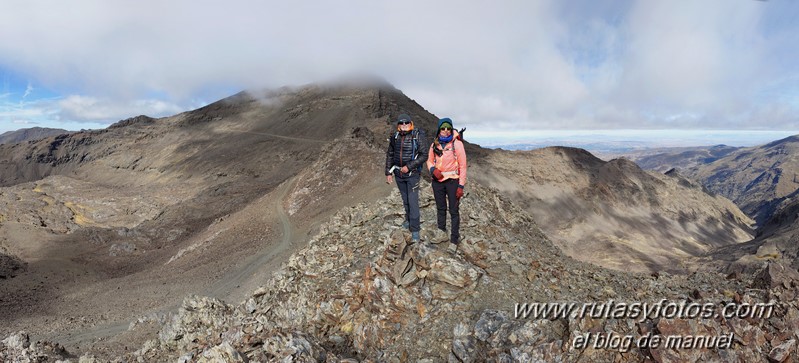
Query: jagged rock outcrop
775	244
10	265
351	296
17	347
95	211
211	187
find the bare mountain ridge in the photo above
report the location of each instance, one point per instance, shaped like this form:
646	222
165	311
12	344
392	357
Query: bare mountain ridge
681	158
212	200
777	241
29	134
757	179
762	172
351	295
304	115
134	217
613	213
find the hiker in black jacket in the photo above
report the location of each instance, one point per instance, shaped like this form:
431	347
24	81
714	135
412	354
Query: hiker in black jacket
407	152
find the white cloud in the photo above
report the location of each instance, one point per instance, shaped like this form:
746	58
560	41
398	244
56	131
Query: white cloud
92	109
539	63
78	112
28	91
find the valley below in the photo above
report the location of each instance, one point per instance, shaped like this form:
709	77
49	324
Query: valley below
260	228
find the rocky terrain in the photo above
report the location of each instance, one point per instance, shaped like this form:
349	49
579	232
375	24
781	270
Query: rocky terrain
757	179
98	226
33	133
761	181
259	228
776	241
613	213
350	296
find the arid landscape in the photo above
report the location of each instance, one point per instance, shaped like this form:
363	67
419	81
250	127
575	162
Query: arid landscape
260	228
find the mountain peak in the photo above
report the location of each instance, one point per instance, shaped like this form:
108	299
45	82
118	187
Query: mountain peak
29	134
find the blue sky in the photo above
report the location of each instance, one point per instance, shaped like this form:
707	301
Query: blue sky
500	66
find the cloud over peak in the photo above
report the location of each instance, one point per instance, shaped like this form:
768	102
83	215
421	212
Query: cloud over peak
532	64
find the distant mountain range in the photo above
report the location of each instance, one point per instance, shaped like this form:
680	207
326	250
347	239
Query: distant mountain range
34	133
277	199
756	178
615	214
680	158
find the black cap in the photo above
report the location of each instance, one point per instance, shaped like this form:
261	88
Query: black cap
403	118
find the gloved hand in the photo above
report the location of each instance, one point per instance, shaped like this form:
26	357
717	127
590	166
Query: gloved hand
436	173
459	192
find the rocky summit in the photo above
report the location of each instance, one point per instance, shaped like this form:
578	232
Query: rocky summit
351	296
259	229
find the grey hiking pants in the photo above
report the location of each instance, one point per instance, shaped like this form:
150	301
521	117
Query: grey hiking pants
409	190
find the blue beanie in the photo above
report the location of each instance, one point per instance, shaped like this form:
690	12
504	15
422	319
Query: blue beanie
445	120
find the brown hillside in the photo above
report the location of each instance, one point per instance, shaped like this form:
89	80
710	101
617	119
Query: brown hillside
756	178
29	134
130	219
613	213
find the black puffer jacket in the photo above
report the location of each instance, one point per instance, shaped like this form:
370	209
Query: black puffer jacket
403	150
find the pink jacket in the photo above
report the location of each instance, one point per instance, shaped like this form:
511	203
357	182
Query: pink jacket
452	163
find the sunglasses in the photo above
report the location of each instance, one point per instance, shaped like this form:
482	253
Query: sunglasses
445	128
404	122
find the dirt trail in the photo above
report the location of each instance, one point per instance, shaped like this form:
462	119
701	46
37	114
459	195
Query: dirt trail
292	138
232	287
265	260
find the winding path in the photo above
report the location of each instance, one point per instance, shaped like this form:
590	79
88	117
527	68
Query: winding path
220	289
225	286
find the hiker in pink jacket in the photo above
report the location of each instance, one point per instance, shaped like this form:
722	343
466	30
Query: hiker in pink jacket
446	161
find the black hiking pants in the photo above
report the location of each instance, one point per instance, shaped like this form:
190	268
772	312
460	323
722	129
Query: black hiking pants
444	192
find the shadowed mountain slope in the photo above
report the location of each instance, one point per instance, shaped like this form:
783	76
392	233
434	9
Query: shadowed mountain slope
613	213
277	199
130	219
351	295
777	240
756	178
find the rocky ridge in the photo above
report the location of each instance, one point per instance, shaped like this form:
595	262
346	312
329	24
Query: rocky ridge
681	158
776	242
614	213
29	134
351	296
757	179
104	224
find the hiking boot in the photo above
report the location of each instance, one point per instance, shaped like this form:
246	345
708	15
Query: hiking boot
415	237
453	247
406	225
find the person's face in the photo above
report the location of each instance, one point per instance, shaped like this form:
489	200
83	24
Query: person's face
405	126
445	130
